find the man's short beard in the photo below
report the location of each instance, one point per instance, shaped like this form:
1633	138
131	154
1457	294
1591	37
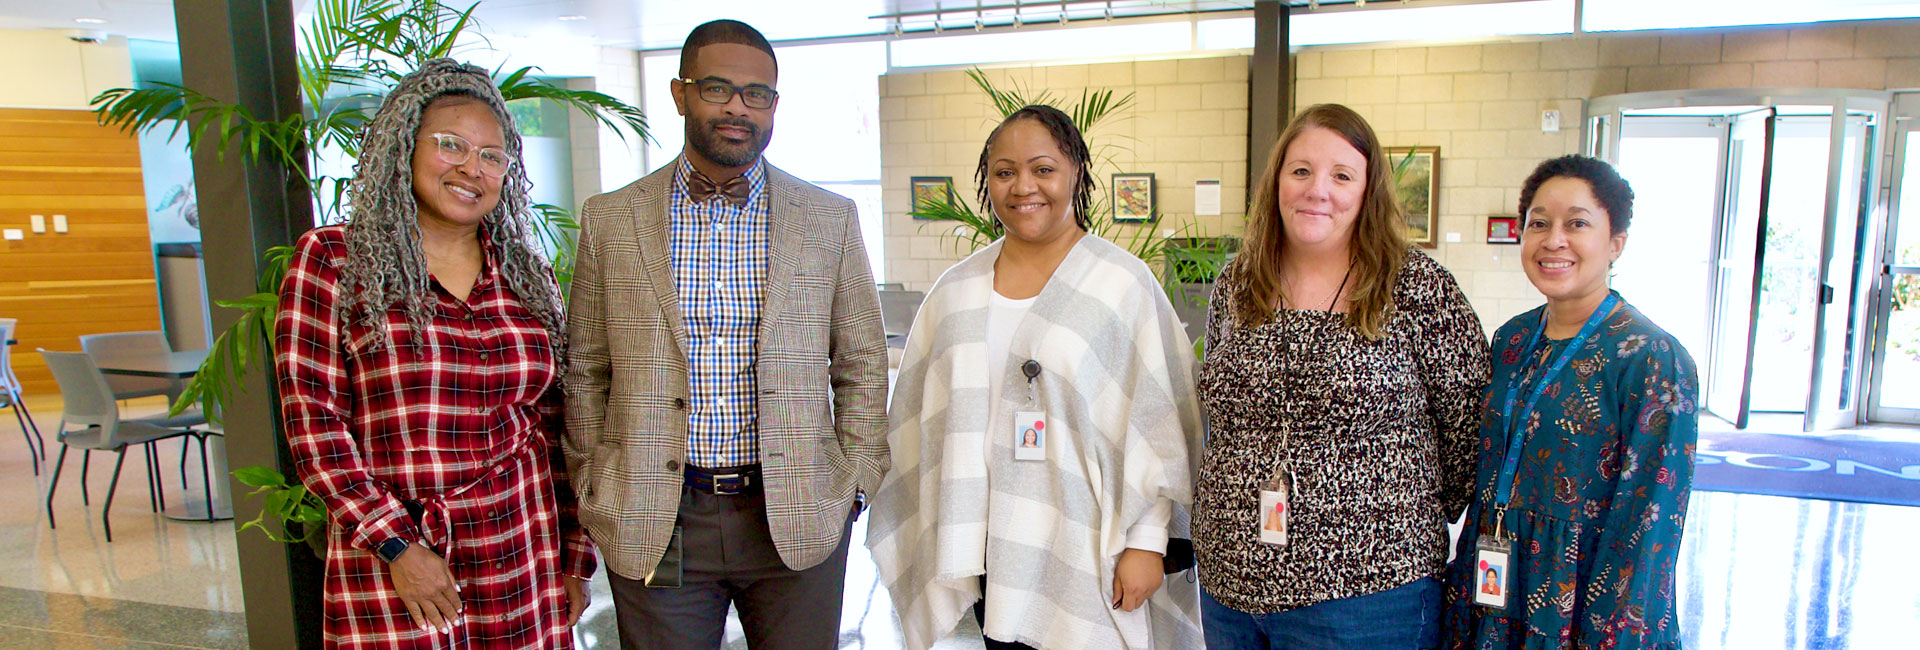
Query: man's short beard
722	152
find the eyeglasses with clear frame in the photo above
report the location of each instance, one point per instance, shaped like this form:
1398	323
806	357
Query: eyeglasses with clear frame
715	91
456	150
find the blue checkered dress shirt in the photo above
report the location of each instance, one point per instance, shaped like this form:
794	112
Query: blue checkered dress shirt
720	269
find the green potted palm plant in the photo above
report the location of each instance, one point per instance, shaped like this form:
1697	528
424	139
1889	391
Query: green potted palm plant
352	52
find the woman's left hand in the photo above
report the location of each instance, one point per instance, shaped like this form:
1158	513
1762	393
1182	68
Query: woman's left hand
577	598
1137	575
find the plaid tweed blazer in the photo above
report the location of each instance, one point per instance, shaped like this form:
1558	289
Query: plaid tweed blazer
821	365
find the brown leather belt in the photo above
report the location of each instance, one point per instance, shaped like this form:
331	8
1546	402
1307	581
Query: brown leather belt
724	481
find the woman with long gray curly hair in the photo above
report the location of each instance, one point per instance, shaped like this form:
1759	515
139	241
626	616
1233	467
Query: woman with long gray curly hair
418	347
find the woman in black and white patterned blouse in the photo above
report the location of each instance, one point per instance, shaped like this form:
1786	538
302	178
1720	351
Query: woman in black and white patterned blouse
1341	376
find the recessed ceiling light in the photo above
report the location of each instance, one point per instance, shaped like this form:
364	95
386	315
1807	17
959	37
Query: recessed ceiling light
90	21
573	18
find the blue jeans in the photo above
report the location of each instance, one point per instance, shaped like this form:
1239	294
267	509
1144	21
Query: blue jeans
1406	617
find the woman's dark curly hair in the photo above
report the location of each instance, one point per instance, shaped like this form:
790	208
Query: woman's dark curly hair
1071	143
1608	187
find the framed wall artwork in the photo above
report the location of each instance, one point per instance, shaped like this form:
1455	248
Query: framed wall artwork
1133	198
938	189
1416	180
1503	230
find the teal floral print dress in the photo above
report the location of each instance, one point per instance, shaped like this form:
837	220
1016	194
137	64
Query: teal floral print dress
1600	494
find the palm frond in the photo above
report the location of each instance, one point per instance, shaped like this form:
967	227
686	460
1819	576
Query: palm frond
442	27
238	348
969	231
141	110
320	59
610	112
560	233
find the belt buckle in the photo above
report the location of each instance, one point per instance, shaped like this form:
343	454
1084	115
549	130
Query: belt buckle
718	489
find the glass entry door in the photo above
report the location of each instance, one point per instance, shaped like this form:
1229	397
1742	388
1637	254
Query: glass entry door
1778	321
1839	287
1895	387
1738	281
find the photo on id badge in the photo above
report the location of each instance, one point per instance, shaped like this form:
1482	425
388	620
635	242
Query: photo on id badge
1490	579
1029	435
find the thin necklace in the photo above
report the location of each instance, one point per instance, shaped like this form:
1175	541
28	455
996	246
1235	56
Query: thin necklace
1342	287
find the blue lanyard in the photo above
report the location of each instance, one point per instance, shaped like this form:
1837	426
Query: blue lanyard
1516	435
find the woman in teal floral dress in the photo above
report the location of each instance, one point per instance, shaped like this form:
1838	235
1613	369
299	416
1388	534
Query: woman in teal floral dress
1583	525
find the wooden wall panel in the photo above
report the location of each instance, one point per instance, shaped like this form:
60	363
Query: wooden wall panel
96	277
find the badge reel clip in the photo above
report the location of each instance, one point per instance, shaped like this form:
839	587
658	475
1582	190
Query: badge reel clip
1030	423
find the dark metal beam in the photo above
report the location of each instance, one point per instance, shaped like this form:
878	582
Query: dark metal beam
1269	86
243	51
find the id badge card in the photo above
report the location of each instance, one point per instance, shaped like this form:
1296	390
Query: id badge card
666	574
1490	577
1029	435
1275	503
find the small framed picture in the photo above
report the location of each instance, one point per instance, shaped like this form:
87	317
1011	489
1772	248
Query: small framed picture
1416	180
937	190
1503	230
1133	198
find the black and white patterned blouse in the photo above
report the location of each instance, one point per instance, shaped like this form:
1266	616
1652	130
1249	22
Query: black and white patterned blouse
1379	438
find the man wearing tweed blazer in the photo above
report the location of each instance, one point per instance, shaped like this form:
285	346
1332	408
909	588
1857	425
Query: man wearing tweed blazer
727	375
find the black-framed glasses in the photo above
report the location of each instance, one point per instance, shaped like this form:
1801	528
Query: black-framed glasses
455	150
720	92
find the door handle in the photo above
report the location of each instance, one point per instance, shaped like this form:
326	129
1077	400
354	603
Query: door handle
1826	294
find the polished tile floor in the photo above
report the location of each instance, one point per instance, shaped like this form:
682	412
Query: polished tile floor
1757	573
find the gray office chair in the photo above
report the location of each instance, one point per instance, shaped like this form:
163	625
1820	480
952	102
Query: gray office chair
101	346
91	405
897	309
10	396
150	342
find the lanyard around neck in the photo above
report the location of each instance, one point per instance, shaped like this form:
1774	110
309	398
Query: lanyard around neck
1516	429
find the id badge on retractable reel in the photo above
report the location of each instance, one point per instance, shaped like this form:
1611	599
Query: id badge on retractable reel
1276	503
1030	422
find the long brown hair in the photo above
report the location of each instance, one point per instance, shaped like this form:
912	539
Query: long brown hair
1378	244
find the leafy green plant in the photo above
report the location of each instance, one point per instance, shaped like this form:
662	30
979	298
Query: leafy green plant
1906	288
1903	331
290	504
362	48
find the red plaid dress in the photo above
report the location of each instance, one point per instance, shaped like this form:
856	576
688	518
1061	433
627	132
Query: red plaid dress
467	423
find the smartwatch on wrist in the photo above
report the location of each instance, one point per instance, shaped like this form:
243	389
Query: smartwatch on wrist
391	549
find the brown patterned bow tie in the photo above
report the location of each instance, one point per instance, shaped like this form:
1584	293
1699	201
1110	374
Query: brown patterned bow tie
735	191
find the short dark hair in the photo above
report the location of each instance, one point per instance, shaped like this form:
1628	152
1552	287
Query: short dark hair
1608	187
723	31
1068	137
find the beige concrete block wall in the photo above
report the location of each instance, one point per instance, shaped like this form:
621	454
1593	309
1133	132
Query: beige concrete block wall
1481	105
1188	123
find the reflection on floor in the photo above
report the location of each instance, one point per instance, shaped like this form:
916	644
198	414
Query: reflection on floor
1758	572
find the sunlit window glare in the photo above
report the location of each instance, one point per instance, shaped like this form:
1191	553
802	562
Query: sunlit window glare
1617	15
1070	44
1430	23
